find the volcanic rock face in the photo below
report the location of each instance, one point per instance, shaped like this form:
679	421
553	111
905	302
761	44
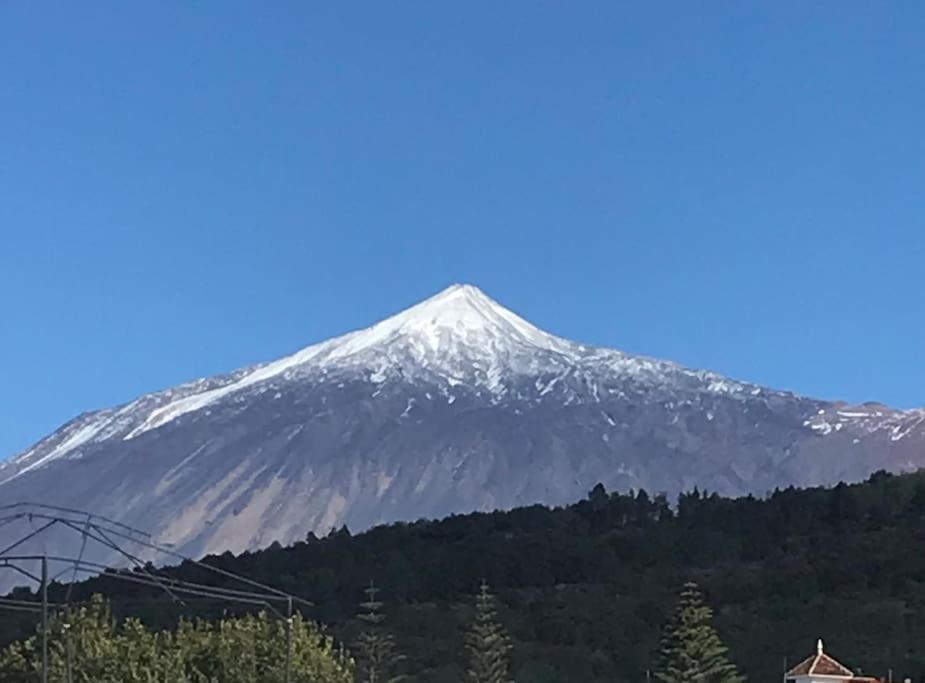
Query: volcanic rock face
454	405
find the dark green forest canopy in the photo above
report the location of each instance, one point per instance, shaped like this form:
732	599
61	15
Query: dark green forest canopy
585	590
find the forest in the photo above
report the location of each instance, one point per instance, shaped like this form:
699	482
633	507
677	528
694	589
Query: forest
585	591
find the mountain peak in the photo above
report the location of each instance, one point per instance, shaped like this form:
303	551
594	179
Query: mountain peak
457	304
460	307
460	314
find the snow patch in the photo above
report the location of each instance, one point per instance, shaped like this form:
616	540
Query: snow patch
408	408
73	441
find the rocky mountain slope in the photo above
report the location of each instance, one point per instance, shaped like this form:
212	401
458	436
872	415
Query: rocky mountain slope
453	405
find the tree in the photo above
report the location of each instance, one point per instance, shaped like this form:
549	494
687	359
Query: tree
598	497
488	643
88	645
691	649
916	505
377	657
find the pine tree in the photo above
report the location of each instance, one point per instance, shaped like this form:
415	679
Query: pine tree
377	657
488	644
691	649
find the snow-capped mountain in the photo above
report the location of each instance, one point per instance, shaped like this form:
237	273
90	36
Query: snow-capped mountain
453	405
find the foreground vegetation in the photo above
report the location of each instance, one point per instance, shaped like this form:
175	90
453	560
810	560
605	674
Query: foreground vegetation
86	644
585	591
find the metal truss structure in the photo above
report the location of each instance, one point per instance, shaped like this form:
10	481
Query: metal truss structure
128	544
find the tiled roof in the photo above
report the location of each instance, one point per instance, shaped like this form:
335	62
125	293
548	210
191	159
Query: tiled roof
820	665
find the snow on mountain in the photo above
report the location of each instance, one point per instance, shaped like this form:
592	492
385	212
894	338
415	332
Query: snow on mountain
454	404
460	334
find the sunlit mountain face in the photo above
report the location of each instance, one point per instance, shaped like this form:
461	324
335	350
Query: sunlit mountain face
454	405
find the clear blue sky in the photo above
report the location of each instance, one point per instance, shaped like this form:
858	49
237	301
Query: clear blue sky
186	188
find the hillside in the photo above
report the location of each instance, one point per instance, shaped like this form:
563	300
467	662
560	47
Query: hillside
586	588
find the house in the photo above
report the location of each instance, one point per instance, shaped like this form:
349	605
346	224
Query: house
820	668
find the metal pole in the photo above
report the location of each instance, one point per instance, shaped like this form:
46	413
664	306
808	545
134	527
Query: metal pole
70	653
44	619
289	641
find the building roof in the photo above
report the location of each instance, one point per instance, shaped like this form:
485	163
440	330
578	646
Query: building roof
820	664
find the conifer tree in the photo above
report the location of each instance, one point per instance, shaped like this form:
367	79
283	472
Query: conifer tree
691	649
378	659
488	643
